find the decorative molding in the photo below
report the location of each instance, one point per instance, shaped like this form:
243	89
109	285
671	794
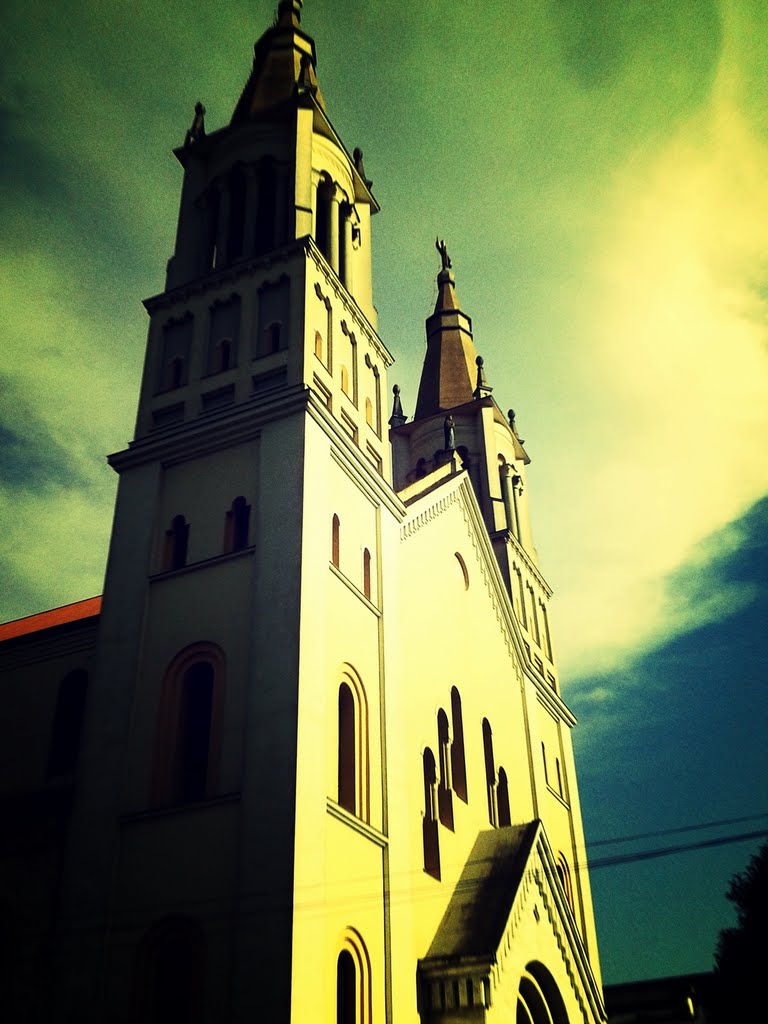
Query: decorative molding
355	590
343	815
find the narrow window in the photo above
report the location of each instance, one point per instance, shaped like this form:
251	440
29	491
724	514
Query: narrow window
236	227
346	989
535	617
458	762
490	770
344	379
521	589
176	372
502	800
271	334
559	776
322	216
335	541
319	345
444	794
64	745
429	823
266	208
223	332
544	759
236	525
194	733
369	412
223	355
367	573
347	766
176	542
273	337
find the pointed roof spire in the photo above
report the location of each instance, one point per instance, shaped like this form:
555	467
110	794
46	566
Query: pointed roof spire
284	63
449	373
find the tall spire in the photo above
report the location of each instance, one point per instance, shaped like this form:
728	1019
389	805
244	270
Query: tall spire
284	62
450	365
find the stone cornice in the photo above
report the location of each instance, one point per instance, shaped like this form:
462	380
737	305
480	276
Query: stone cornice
227	275
213	431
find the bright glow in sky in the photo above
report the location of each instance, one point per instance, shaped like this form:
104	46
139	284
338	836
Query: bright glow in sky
600	174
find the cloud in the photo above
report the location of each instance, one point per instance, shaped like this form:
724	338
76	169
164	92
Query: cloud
676	319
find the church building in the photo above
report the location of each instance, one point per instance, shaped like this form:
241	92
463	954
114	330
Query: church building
307	758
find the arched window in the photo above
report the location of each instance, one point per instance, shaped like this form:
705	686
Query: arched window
347	745
559	776
369	412
169	977
236	525
319	345
458	762
188	735
335	528
444	794
194	733
429	824
222	355
344	379
176	372
353	768
502	800
273	337
176	541
323	226
490	770
353	981
367	573
544	759
64	745
346	989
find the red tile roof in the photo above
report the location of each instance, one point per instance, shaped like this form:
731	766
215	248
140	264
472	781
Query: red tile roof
87	609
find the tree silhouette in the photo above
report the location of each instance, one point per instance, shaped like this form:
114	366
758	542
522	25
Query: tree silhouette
742	951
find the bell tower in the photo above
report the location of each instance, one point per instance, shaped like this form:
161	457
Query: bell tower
246	549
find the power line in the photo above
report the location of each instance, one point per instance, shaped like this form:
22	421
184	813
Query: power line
679	828
628	858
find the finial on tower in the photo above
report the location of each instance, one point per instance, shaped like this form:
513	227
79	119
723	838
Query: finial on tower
512	427
483	388
290	9
443	250
397	419
197	129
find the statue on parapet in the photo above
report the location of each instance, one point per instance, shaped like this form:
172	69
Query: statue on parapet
197	130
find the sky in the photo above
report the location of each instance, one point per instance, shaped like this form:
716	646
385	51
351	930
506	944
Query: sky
599	171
